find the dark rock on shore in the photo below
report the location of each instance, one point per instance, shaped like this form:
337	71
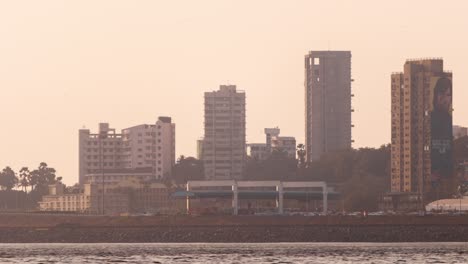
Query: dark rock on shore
238	234
22	228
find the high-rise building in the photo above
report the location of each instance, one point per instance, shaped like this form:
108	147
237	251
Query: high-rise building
150	147
421	139
328	102
224	149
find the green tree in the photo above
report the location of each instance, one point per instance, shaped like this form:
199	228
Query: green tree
187	169
360	175
43	175
278	166
8	179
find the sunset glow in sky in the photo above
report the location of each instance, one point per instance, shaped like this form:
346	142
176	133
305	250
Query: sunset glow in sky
65	65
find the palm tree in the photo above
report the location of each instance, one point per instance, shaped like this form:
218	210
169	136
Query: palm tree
24	178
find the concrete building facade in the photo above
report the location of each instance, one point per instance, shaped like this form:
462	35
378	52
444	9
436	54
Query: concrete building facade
224	149
415	139
459	131
143	146
285	144
128	196
328	102
258	151
262	151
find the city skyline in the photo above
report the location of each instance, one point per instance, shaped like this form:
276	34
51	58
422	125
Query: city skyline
67	66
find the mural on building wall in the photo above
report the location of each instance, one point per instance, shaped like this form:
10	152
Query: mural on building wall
441	128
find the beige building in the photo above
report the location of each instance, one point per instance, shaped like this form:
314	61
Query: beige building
262	151
143	146
285	144
112	178
328	102
224	149
421	138
258	151
87	200
129	196
100	151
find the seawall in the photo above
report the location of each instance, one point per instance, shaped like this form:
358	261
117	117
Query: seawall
145	229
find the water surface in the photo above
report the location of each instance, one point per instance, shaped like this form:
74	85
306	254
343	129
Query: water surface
236	253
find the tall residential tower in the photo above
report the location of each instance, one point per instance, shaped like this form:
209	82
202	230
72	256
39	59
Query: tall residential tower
421	127
224	148
328	102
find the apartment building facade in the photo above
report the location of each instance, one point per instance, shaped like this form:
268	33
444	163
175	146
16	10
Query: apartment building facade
224	149
143	146
421	131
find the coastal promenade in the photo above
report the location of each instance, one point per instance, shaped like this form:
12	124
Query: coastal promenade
31	228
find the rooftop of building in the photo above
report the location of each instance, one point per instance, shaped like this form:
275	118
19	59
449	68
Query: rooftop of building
226	89
344	53
424	59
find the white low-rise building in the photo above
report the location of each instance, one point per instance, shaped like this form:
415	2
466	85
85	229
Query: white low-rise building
449	205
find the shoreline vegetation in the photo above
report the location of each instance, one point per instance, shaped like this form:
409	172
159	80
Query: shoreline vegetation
18	228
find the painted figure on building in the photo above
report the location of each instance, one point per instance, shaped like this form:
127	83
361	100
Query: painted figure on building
441	129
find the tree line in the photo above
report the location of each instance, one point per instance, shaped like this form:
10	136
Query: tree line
23	189
362	176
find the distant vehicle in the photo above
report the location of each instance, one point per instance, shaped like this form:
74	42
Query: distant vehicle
354	214
377	213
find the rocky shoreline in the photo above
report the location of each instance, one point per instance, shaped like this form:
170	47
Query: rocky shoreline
236	234
229	229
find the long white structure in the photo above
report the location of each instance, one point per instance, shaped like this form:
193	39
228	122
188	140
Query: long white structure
238	186
449	205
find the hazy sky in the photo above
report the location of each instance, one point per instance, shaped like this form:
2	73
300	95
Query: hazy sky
65	65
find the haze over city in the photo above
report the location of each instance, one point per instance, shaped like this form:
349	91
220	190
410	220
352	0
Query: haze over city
65	65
